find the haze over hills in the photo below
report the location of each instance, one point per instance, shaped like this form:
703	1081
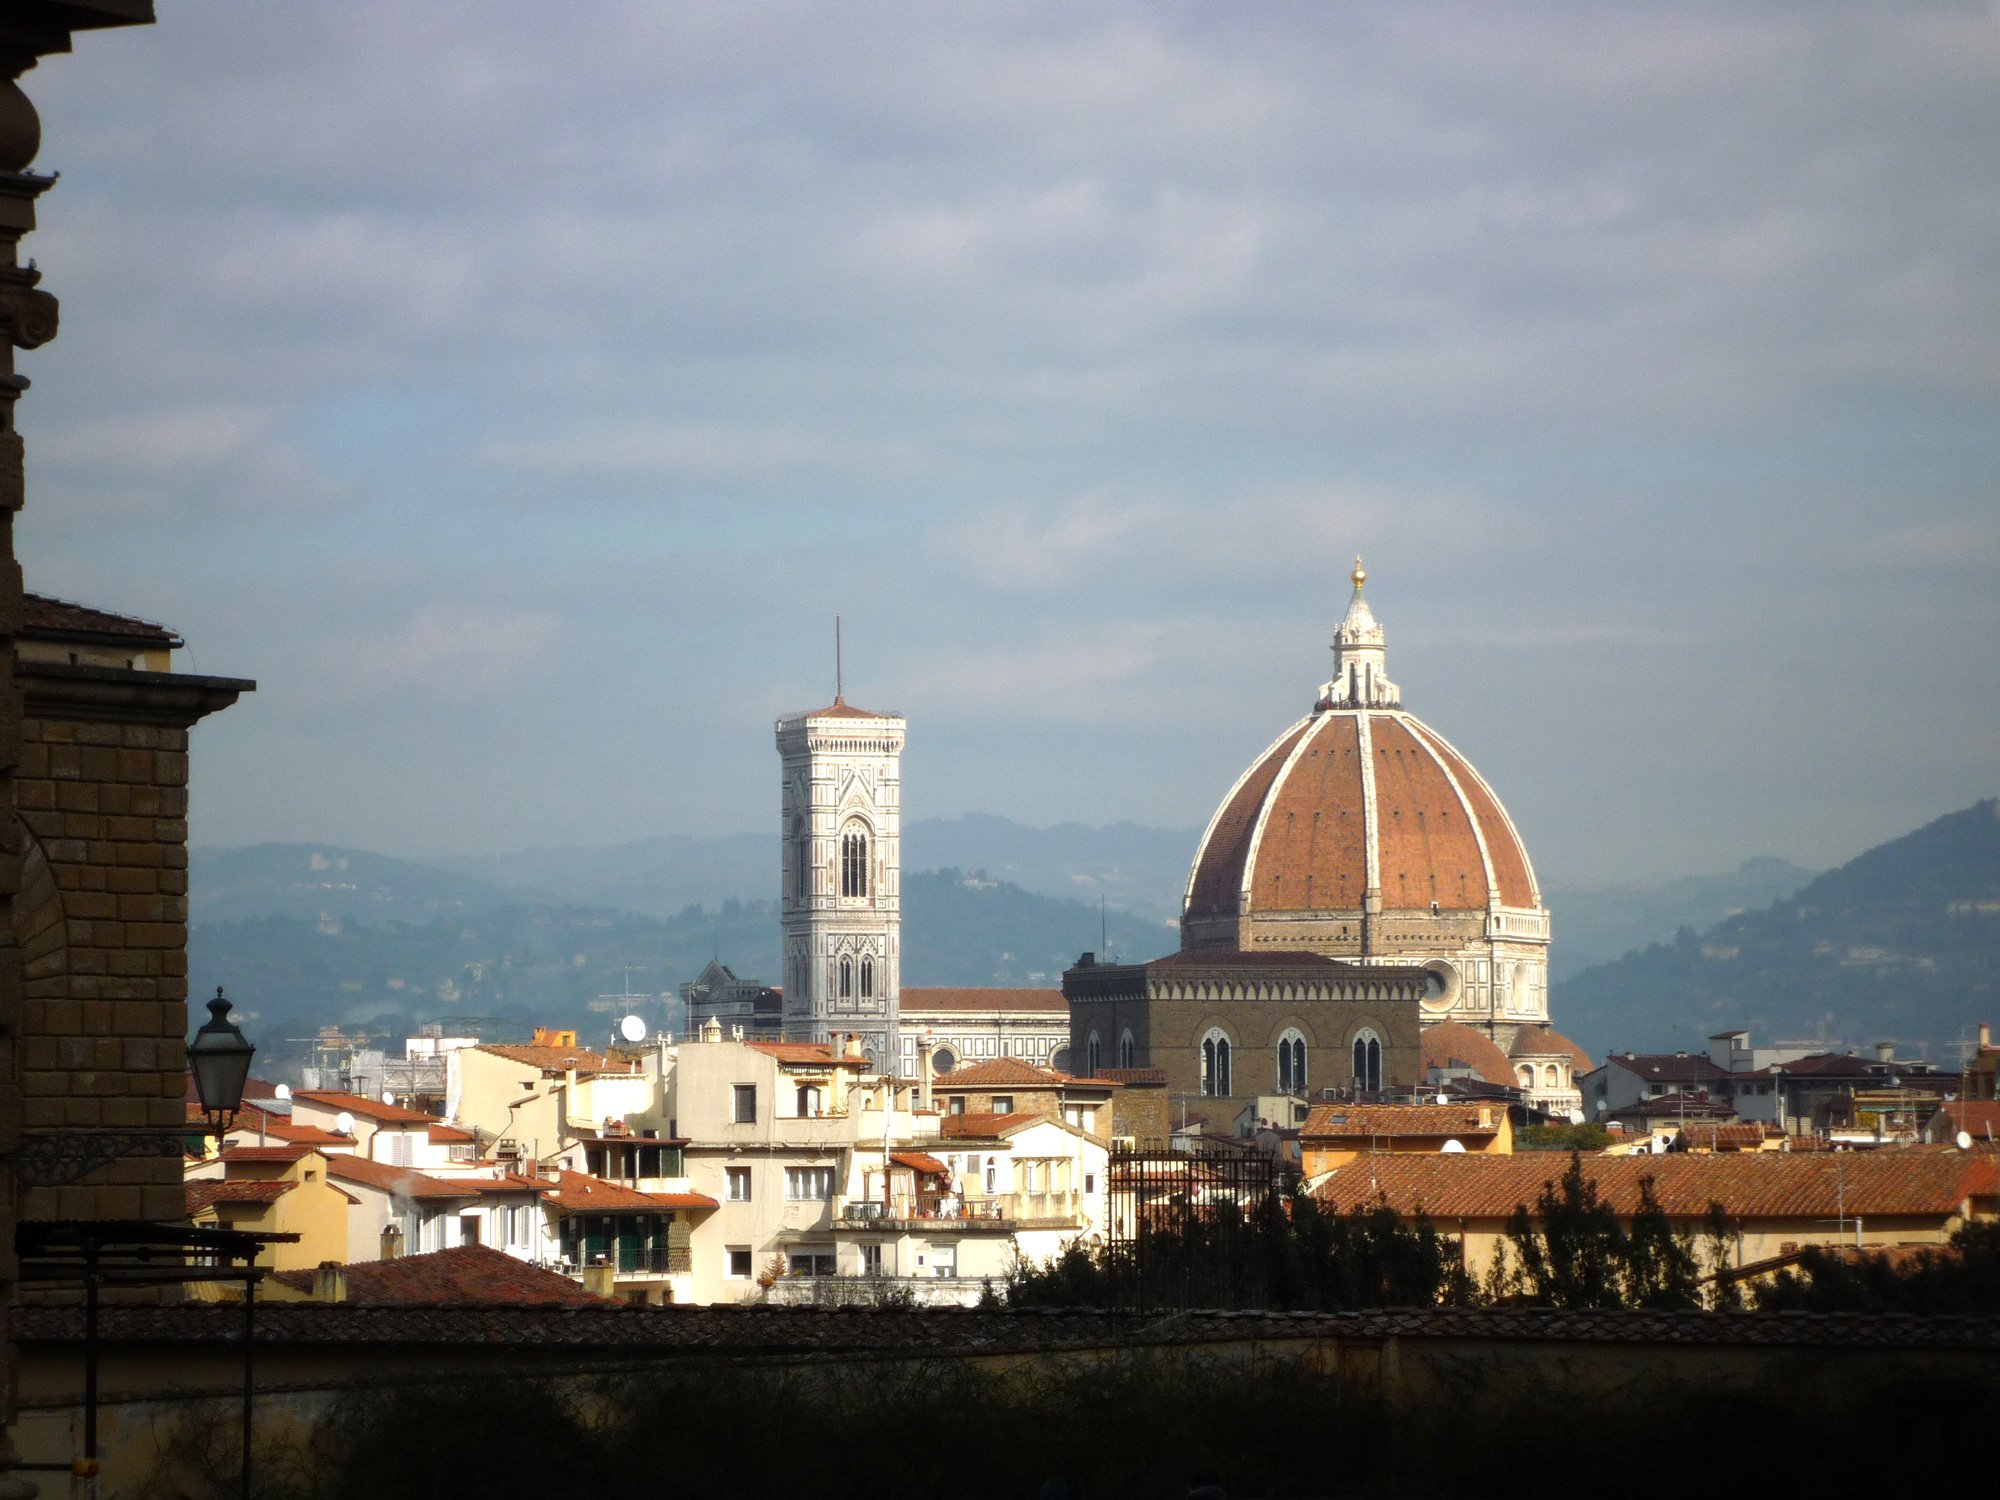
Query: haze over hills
1898	944
525	964
1141	870
1594	926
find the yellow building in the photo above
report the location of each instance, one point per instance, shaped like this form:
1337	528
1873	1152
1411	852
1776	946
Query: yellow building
276	1190
1335	1134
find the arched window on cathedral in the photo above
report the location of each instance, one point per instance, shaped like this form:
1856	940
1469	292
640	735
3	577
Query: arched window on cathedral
846	979
1128	1050
867	978
1292	1062
854	863
802	861
1215	1064
1093	1051
1367	1062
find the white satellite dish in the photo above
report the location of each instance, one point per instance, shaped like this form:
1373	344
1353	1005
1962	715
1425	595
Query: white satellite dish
388	1097
344	1123
1964	1139
282	1091
1452	1148
632	1029
1442	1099
1576	1117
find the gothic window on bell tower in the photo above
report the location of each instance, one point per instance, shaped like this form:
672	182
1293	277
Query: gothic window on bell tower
801	861
867	978
846	990
854	863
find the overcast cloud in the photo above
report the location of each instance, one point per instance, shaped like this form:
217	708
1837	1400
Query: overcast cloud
517	391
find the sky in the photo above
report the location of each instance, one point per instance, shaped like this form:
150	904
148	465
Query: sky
517	392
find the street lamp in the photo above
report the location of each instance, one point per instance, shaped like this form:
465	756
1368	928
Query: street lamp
220	1057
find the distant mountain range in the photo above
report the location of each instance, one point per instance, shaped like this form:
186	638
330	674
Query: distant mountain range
1140	870
1901	944
1594	926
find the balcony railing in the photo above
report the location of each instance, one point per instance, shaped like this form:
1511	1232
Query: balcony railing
1008	1210
631	1260
883	1291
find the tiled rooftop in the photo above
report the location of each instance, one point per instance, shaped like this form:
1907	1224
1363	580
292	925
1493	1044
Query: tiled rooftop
558	1059
464	1276
401	1182
363	1106
1361	1122
202	1195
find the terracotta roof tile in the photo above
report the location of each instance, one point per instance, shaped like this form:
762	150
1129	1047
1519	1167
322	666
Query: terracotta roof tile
1426	847
1006	1071
1366	1121
450	1135
1216	885
840	708
578	1192
987	1126
464	1276
1453	1044
919	1161
400	1182
921	998
43	616
806	1054
558	1059
206	1194
1546	1041
1757	1184
288	1153
1314	851
1670	1067
1510	861
363	1106
1132	1076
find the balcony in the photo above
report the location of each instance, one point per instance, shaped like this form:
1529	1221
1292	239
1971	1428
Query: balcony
1003	1213
883	1291
628	1259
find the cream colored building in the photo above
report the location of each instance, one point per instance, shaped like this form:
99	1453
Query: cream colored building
531	1103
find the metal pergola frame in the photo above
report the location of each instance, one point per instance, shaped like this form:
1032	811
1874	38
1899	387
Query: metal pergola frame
99	1253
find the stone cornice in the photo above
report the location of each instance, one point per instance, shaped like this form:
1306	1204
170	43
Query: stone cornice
117	695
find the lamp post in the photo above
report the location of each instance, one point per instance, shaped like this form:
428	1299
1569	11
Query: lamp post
220	1057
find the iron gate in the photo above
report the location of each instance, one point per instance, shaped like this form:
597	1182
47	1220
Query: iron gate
1193	1228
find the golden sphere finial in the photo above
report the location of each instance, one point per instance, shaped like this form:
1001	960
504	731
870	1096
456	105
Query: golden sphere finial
1360	573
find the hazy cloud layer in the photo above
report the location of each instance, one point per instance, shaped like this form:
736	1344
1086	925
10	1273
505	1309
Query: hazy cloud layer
518	392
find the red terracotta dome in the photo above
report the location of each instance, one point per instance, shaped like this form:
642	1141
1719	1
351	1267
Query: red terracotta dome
1363	833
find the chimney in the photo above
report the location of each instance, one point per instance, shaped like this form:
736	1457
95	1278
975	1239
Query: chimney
330	1277
1885	1052
711	1029
600	1279
1985	1036
392	1242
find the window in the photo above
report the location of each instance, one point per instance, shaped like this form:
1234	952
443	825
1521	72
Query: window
867	978
1003	1104
854	863
1092	1055
992	1175
809	1263
743	1104
809	1184
1215	1065
468	1229
944	1260
802	847
808	1101
871	1260
1090	1182
846	979
738	1179
739	1263
1128	1050
1292	1062
1367	1061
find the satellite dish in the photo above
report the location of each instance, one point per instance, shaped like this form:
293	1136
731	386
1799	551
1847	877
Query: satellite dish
1602	1104
1576	1117
282	1091
1442	1099
388	1097
632	1029
344	1123
1452	1148
1964	1139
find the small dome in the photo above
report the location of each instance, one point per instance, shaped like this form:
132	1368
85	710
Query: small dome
1546	1041
1453	1044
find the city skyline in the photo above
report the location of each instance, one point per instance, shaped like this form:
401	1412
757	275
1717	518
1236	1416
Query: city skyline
522	425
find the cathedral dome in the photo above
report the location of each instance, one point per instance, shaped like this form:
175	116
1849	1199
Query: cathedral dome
1362	833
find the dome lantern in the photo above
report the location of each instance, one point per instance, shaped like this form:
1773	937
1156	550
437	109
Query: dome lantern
1359	679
